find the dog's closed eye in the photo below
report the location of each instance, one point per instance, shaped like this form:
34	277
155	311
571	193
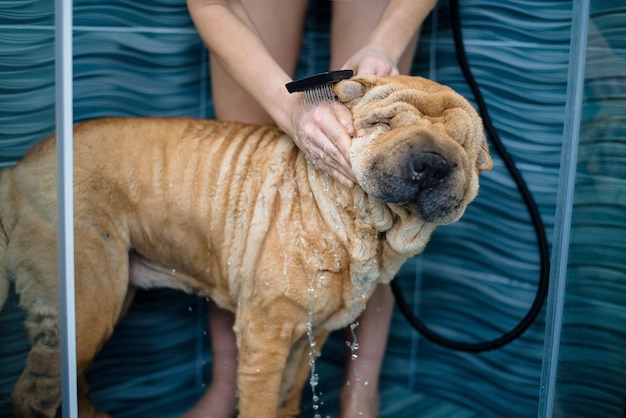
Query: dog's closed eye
376	121
384	123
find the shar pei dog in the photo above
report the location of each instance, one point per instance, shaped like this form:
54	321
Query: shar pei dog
242	218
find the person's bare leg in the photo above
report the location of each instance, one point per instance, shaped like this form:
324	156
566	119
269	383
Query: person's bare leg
279	23
359	394
220	400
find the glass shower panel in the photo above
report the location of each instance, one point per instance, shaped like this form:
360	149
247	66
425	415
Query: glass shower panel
591	366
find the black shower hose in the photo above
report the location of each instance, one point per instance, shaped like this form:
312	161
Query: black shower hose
542	243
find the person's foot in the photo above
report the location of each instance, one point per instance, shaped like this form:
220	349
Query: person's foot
219	401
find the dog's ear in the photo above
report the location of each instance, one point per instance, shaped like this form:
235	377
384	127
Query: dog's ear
484	161
354	88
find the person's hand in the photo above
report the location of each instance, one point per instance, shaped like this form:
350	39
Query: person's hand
372	60
324	133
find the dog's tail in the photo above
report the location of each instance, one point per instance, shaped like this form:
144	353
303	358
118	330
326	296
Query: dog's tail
4	243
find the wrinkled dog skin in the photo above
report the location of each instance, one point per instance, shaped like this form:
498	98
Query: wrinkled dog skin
243	219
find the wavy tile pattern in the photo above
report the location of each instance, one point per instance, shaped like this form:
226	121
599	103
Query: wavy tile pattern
122	50
475	281
592	356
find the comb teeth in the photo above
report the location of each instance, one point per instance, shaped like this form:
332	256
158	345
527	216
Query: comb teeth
318	80
317	95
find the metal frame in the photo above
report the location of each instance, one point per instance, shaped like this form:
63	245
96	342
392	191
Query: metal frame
65	169
565	204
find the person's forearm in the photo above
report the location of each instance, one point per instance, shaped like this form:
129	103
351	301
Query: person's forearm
398	25
232	40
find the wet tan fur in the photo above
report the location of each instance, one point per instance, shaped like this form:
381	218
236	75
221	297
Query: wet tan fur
228	211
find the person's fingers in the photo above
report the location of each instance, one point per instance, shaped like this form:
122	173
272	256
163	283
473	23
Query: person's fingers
336	154
332	170
324	135
330	135
372	60
375	66
320	151
331	157
345	117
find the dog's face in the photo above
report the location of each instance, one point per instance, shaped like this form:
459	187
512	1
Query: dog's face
418	144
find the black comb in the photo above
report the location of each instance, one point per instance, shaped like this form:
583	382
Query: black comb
318	80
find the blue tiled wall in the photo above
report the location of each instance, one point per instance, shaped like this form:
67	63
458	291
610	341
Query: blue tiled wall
476	279
588	331
130	58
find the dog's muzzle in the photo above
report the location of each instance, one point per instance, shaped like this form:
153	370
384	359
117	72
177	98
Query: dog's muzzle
411	177
428	182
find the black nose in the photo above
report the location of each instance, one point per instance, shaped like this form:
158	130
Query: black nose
428	170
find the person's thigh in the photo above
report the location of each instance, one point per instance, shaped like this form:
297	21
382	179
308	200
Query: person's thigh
279	23
353	21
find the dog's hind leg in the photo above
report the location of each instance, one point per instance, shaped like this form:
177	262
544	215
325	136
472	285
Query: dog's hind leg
31	260
102	290
101	271
37	392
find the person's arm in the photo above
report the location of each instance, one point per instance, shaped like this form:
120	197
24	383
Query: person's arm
232	40
394	33
230	36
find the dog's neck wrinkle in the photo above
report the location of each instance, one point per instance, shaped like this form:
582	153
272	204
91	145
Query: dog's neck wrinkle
358	221
406	238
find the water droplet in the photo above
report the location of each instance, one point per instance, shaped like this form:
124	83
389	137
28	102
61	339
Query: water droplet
320	281
313	381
